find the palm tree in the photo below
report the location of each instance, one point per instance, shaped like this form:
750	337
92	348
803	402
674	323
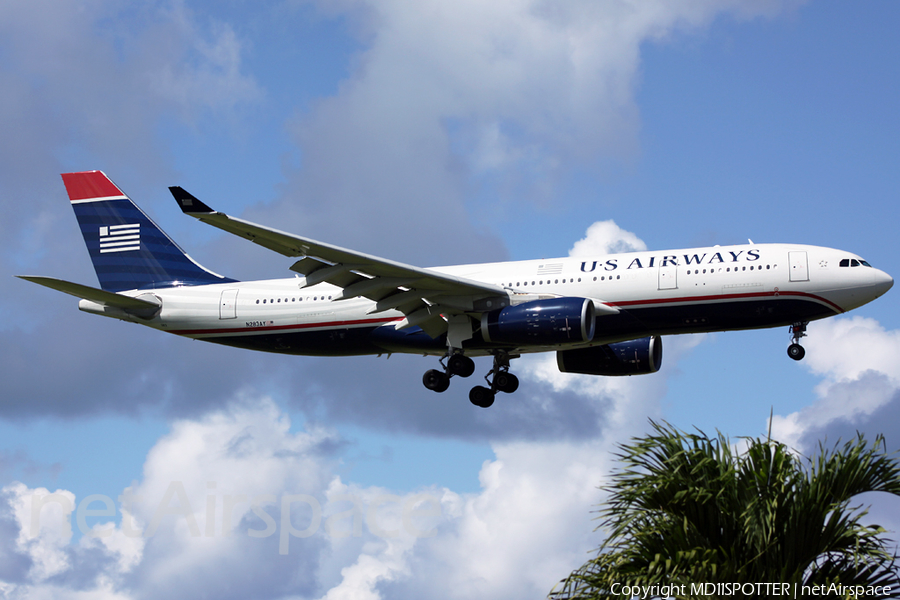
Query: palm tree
687	510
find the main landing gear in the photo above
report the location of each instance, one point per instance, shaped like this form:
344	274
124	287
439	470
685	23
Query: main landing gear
795	350
459	364
503	381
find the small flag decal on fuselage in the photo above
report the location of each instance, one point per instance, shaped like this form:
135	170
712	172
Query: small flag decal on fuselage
550	269
120	238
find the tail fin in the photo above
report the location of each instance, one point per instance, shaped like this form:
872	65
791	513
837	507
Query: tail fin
128	249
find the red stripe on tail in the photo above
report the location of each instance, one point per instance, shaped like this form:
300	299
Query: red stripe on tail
89	184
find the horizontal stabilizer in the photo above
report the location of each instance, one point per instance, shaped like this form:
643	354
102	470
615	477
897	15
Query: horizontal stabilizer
135	306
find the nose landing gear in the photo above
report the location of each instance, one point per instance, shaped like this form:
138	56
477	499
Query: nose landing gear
795	350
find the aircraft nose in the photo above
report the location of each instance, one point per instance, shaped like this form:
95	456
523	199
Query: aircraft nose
883	282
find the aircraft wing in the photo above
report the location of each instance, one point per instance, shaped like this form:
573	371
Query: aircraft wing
427	298
134	306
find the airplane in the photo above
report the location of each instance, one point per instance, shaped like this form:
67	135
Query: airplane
603	315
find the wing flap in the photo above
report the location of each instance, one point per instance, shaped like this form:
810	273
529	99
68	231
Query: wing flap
374	288
307	265
340	275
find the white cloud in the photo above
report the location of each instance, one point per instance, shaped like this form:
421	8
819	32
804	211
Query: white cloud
520	71
446	99
495	87
44	527
126	548
86	84
527	527
202	70
844	348
859	361
605	237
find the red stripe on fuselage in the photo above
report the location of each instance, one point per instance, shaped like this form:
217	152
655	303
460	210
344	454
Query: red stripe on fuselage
722	298
89	184
295	326
385	321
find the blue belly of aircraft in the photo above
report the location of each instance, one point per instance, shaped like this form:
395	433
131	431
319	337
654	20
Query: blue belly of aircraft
628	324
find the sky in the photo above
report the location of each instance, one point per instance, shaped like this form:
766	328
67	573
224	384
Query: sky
135	464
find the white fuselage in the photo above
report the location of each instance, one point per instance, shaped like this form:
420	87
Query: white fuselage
637	294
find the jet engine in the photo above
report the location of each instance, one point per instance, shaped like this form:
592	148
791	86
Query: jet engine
541	322
634	357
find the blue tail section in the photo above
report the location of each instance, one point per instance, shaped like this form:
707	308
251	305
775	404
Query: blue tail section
128	249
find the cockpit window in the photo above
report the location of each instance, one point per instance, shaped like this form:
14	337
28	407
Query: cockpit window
853	262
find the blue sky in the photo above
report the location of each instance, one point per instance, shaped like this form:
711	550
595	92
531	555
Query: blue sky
431	133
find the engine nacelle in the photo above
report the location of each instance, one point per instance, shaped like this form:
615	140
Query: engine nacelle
541	322
634	357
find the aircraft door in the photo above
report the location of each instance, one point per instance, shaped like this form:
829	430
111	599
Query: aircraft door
668	278
228	304
799	266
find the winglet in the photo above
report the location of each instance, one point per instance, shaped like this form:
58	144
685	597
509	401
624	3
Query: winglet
188	203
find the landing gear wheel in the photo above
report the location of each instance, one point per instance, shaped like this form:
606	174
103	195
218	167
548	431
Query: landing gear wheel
798	331
436	381
481	396
796	351
460	364
506	382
